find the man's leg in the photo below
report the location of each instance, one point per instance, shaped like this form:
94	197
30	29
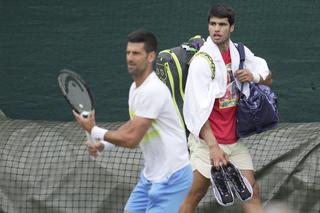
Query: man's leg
240	156
254	204
198	190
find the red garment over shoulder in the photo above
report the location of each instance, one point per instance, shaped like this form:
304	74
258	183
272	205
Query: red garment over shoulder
223	116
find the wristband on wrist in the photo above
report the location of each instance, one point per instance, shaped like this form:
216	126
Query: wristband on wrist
98	133
256	77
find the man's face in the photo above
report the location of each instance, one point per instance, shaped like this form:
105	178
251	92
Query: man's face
137	58
219	30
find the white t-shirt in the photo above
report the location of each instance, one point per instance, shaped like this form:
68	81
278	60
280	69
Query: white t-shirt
164	145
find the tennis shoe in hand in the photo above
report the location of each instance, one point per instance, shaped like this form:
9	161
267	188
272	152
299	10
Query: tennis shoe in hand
220	187
240	184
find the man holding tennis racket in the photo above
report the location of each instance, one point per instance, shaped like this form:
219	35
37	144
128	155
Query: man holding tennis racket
154	125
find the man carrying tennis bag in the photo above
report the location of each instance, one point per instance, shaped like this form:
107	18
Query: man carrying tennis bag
210	107
255	114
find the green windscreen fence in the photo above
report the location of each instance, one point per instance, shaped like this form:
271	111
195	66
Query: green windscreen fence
39	38
44	167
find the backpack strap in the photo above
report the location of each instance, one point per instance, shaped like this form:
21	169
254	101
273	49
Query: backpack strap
179	69
210	61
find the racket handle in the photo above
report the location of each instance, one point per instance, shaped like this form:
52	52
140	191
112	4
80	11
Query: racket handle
93	142
85	114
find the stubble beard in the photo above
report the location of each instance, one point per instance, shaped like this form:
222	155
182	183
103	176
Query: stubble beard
135	72
222	44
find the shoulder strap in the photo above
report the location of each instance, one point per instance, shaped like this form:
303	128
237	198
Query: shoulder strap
210	61
240	48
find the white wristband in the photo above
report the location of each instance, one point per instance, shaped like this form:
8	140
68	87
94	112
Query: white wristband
107	145
256	77
98	133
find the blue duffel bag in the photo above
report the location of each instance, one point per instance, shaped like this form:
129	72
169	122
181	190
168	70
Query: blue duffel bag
258	112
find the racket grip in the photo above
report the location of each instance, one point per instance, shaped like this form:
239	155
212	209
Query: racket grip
93	142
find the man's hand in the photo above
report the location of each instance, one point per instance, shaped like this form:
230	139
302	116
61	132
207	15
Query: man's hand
217	156
94	149
244	75
86	123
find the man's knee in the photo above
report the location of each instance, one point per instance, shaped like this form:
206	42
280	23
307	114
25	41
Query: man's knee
197	194
256	191
198	190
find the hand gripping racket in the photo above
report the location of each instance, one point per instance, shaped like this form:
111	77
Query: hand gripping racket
77	94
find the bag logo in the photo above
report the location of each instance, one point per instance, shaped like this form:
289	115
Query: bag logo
161	72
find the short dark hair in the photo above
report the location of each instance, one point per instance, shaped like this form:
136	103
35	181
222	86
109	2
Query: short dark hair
148	38
222	11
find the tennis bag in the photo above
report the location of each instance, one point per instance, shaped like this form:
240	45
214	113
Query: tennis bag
172	68
258	112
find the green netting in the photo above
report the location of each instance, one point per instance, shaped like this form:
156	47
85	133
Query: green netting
44	168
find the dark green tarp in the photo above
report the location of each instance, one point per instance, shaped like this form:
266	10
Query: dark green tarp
39	38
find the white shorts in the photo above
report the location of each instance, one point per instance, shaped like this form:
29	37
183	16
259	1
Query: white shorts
238	154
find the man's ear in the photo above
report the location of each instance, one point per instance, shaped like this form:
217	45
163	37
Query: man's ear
232	28
152	56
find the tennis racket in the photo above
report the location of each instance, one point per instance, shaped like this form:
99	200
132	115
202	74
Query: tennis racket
77	94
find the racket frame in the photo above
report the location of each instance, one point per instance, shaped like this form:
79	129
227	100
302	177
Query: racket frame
82	82
84	113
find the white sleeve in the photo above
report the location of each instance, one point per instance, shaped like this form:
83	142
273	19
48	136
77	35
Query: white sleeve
151	102
256	64
262	67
